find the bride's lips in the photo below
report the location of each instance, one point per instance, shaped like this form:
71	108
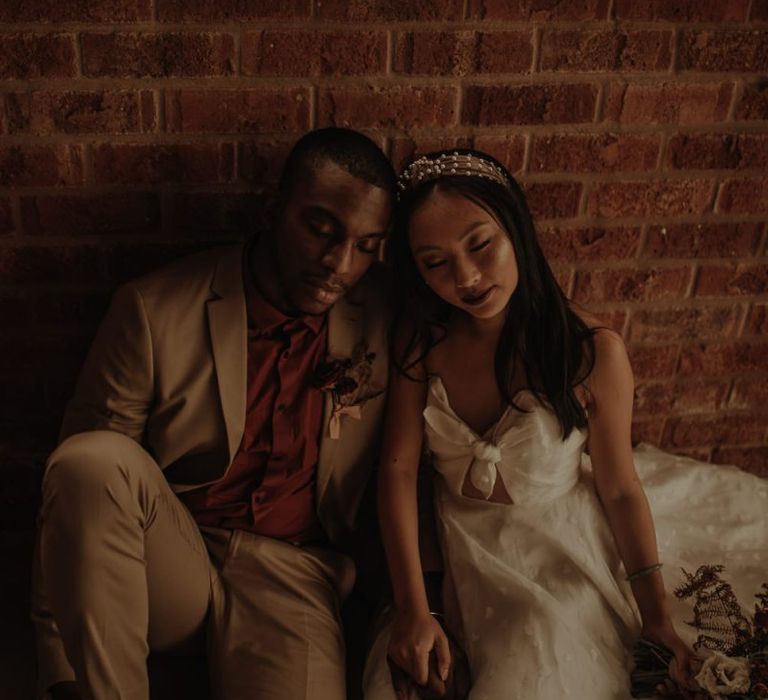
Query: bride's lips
477	299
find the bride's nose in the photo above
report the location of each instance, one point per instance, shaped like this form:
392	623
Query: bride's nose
465	274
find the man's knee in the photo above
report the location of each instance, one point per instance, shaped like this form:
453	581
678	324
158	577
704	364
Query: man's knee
93	460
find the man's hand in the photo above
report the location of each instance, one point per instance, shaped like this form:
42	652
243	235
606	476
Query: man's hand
455	686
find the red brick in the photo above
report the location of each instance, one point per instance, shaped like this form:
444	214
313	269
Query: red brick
702	240
14	310
564	278
667	103
722	50
75	11
682	10
463	53
130	261
404	150
759	10
43	353
648	431
105	214
700	454
256	110
750	395
757	320
70	309
723	358
22	166
732	280
640	198
717	151
744	196
390	10
43	113
652	361
578	245
24	56
486	105
508	150
694	431
262	161
313	53
670	398
553	200
751	459
537	11
229	10
754	101
753	149
605	50
681	323
600	285
611	319
574	153
157	163
702	151
81	264
157	55
220	216
6	216
400	107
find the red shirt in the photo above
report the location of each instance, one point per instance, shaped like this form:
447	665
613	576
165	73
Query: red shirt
270	486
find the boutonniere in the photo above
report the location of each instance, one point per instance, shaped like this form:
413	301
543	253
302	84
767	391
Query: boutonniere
348	381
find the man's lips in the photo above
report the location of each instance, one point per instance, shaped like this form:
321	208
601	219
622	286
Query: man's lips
478	298
323	290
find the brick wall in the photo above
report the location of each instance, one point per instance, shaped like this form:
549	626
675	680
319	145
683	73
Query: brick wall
132	131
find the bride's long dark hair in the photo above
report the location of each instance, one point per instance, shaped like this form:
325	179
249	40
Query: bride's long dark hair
554	345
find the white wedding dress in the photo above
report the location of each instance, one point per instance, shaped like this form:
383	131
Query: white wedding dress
541	604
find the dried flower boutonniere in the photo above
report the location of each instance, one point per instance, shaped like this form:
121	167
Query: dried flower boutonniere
348	380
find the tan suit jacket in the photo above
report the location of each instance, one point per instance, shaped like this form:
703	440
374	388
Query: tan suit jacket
168	369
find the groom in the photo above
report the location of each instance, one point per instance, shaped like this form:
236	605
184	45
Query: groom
217	447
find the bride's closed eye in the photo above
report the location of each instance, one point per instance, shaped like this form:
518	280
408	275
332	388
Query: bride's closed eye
432	264
480	246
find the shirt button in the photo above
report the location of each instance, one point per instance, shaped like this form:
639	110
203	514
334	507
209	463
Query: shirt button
281	407
286	354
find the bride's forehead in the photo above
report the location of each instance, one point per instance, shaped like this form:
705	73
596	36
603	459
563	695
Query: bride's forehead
446	215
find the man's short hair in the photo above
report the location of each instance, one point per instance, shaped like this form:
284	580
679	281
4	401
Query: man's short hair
350	150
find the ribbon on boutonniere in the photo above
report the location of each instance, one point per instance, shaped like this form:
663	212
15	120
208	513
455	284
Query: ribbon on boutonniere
348	381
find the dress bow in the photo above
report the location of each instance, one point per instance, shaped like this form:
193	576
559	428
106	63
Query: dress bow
483	471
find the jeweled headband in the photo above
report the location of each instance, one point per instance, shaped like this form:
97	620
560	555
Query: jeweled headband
448	164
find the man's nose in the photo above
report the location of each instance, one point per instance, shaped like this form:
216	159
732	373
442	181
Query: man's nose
338	258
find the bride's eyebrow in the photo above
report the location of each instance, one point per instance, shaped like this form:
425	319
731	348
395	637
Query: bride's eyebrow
474	225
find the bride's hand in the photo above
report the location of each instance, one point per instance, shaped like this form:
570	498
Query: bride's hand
685	663
411	641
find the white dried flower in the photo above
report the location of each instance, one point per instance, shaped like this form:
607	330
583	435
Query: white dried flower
722	675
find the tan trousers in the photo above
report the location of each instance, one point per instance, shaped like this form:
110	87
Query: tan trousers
122	569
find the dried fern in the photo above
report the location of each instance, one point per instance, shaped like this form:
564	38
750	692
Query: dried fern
717	614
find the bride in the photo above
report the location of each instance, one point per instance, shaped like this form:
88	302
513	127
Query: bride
553	565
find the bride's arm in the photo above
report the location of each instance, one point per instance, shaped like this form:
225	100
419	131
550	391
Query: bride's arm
415	632
611	390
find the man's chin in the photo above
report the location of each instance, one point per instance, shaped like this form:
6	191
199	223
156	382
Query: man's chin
310	306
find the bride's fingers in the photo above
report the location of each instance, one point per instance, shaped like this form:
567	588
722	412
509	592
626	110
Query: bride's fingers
443	653
420	665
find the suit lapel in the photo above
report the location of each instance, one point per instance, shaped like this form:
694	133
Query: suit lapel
227	324
345	332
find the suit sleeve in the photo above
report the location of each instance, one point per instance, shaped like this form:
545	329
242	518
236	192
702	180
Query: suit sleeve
115	389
